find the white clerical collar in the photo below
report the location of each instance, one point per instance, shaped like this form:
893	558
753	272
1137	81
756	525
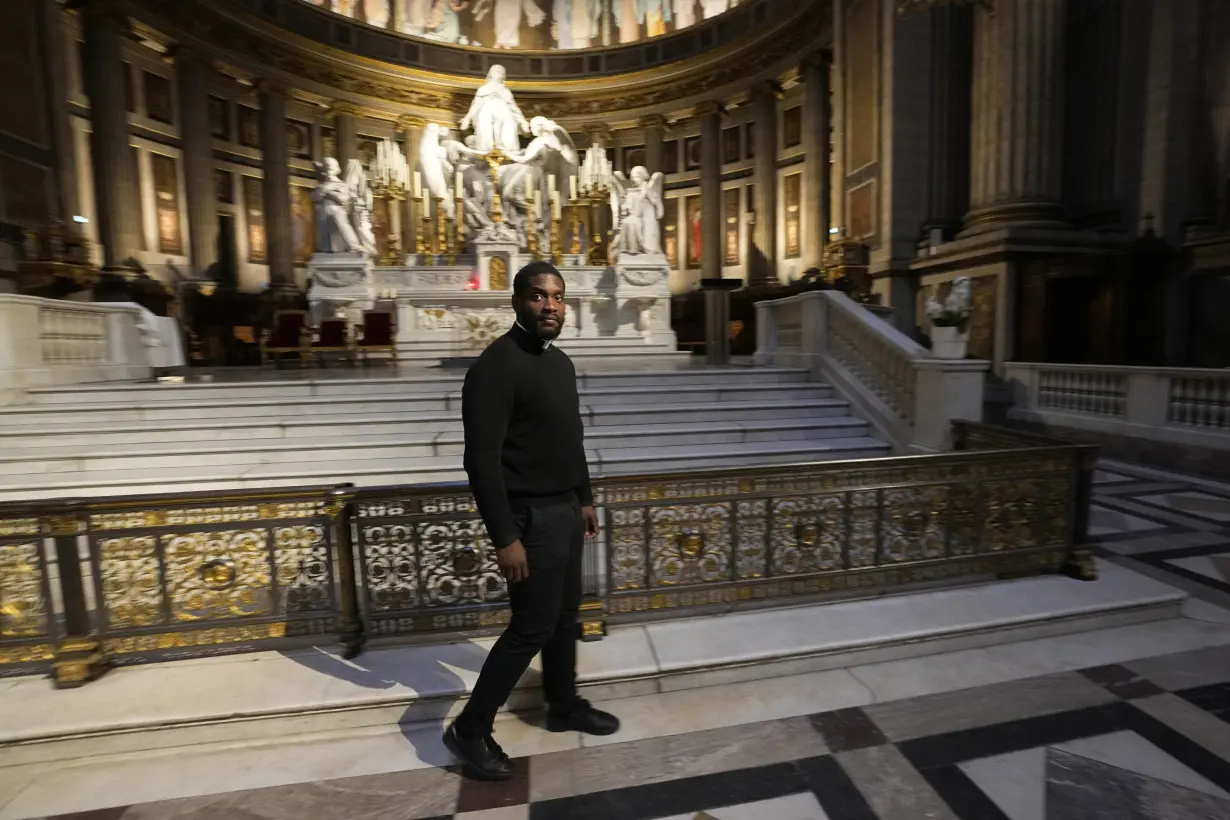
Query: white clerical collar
546	342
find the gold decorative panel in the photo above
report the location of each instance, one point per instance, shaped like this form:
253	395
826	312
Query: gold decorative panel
983	293
23	604
689	544
166	203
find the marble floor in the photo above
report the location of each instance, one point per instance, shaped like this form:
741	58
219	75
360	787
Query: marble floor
1172	527
1137	740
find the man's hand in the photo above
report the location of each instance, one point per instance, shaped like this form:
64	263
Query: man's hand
590	515
512	563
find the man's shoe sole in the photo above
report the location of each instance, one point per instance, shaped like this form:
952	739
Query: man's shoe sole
562	725
470	768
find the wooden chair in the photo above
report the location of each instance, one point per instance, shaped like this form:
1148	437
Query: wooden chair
291	333
378	335
334	336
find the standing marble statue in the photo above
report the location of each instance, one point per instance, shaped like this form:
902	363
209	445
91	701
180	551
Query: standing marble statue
494	115
637	208
343	209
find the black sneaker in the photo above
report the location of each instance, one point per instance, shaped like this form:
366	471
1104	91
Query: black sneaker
581	716
477	755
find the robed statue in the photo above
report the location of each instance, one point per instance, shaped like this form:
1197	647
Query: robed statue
494	115
637	209
343	209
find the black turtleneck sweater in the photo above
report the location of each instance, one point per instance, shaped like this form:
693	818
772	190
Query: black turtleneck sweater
524	440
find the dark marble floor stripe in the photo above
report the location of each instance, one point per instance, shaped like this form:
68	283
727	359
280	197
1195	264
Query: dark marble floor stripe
962	794
479	795
1163	564
1013	736
845	730
834	790
689	795
1214	699
1188	752
1122	682
97	814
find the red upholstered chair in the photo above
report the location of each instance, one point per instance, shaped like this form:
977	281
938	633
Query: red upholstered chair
334	337
378	335
291	333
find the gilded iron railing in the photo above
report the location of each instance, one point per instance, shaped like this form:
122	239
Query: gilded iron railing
86	584
427	566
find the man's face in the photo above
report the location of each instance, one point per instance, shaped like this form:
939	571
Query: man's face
541	309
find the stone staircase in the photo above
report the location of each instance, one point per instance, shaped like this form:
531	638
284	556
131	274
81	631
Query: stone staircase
280	429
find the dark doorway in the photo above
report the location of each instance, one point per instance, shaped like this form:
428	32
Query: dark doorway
227	272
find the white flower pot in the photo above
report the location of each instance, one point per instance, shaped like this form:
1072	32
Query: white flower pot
948	342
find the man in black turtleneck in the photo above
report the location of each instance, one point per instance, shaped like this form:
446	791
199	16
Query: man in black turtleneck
525	457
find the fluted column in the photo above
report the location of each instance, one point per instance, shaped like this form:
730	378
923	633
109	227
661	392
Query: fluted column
762	265
279	243
116	192
411	131
1017	113
837	195
52	43
654	129
948	160
710	116
192	78
345	129
816	125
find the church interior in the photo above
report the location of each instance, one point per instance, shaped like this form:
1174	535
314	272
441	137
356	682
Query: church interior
901	354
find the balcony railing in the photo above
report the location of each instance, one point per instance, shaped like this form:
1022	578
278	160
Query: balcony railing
90	583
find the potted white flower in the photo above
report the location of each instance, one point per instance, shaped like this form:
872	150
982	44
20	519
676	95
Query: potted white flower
950	321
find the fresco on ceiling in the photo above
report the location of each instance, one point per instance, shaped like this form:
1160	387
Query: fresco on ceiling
531	24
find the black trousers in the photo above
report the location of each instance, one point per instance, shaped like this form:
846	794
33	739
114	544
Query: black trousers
544	618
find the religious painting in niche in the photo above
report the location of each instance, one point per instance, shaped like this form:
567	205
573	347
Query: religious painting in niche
27	199
158	104
249	127
166	202
517	24
328	142
298	139
982	317
730	145
136	169
670	157
365	150
691	153
749	138
224	187
861	211
254	209
302	227
730	219
691	215
670	232
219	119
792	187
792	127
634	155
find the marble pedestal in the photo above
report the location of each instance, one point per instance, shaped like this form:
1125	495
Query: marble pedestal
342	286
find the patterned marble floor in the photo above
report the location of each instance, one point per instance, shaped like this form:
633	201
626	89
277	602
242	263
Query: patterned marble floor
1133	741
1175	528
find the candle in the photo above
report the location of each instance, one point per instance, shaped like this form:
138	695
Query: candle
572	187
418	184
458	185
550	184
555	209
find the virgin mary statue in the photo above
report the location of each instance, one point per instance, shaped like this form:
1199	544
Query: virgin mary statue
494	115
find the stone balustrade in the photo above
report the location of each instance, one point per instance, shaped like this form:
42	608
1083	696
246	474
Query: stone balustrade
907	394
49	342
1186	406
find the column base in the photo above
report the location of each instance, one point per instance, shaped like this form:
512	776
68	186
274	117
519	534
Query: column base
1042	213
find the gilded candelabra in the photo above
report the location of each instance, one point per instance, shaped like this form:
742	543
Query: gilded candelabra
459	226
595	196
441	227
495	157
421	226
557	255
574	210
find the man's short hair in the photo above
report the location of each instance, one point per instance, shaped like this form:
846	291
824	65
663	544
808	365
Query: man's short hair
521	282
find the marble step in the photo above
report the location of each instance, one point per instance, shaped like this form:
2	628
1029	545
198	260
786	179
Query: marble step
1004	631
243	445
104	413
345	386
186	476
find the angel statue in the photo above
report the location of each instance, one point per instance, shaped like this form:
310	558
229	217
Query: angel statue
551	153
637	207
343	209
